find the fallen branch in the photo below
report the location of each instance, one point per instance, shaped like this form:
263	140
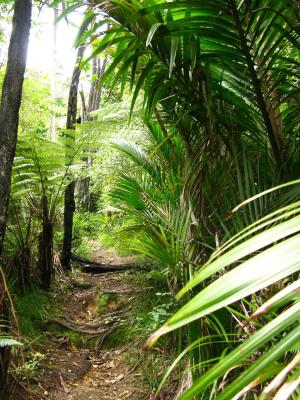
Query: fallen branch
98	268
62	382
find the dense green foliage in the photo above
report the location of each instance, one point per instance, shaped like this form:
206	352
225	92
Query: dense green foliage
192	161
225	76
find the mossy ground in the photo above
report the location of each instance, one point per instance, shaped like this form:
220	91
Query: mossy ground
33	309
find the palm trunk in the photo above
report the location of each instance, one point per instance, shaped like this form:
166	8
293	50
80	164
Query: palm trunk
69	206
9	121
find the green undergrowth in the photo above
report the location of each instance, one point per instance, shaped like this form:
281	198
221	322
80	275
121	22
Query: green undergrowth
86	227
109	231
33	309
114	242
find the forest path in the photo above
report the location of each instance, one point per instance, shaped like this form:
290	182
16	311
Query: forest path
92	370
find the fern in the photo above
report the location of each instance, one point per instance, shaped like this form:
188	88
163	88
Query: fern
9	342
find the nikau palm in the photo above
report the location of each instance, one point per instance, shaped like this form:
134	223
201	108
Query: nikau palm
226	76
274	262
212	58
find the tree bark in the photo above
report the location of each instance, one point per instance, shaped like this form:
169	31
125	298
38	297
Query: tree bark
69	209
93	105
45	262
9	121
96	90
69	206
11	101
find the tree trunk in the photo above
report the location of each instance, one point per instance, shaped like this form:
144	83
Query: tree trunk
69	206
83	184
23	263
45	262
11	101
96	90
93	105
9	121
69	209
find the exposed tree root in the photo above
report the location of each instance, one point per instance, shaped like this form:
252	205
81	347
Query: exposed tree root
91	328
101	338
71	327
123	291
107	319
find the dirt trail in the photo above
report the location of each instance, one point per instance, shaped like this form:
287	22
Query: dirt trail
83	372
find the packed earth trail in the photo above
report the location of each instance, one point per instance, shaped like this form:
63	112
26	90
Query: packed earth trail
82	368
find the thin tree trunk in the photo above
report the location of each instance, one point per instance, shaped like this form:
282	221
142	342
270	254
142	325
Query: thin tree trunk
9	121
84	109
95	94
83	183
93	105
45	262
69	206
69	209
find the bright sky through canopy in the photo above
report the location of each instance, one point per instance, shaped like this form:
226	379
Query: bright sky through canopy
41	55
